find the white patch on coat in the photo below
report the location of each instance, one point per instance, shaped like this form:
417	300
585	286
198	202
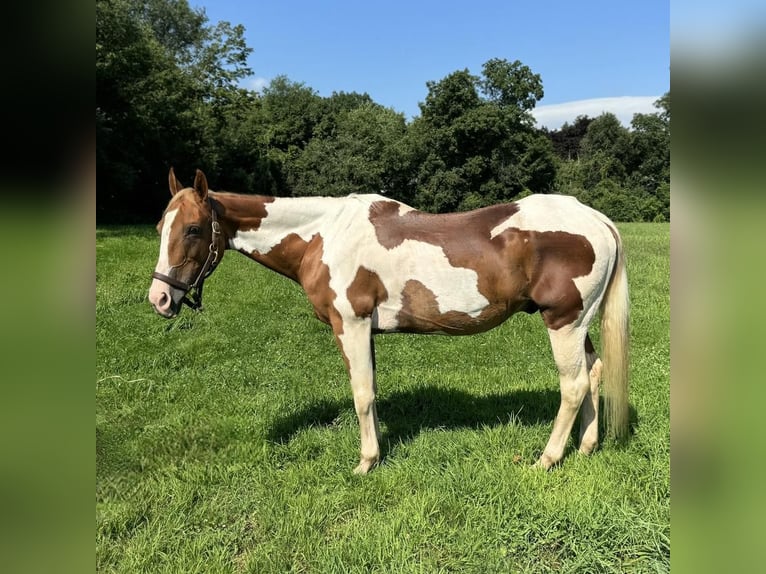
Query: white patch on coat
163	263
159	288
350	242
546	213
284	216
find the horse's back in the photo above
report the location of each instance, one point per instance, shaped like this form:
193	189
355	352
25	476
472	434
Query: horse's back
538	212
554	212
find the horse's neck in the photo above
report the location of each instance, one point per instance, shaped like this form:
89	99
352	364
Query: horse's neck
275	231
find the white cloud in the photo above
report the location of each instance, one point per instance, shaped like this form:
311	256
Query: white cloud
553	116
256	84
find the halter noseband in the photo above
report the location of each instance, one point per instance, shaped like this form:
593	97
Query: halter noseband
208	267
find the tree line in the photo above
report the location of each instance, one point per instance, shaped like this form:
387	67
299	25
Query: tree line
168	93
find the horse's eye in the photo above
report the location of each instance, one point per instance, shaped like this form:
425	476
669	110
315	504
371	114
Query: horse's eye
193	230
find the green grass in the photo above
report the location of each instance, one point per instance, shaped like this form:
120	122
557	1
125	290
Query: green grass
225	440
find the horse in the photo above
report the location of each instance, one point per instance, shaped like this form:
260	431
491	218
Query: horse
370	265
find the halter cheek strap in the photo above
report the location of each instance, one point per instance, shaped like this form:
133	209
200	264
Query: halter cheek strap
195	288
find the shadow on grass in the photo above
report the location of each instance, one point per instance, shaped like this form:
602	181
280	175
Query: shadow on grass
406	414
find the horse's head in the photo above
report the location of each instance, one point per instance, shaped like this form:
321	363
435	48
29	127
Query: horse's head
191	245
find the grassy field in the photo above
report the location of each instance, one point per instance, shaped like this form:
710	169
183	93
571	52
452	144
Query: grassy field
225	440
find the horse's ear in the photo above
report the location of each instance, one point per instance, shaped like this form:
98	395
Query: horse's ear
175	185
200	184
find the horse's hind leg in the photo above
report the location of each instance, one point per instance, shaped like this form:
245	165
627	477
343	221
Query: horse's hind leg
568	348
589	408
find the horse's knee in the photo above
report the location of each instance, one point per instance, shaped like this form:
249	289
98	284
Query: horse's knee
364	402
574	389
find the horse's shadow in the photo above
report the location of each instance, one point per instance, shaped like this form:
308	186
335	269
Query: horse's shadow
405	414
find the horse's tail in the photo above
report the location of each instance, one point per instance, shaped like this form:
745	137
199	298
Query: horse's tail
615	338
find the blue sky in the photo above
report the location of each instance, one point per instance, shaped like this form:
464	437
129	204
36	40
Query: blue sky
617	53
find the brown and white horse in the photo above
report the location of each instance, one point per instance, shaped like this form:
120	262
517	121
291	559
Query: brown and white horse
369	265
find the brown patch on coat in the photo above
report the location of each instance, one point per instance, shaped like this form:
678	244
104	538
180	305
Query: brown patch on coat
465	239
285	257
239	212
517	269
420	314
392	229
560	258
314	277
246	210
366	292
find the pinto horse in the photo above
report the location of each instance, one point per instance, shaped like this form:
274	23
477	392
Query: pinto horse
370	265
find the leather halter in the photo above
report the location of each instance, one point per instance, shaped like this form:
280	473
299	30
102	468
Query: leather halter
208	267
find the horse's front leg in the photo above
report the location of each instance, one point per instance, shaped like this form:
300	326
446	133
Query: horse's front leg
354	338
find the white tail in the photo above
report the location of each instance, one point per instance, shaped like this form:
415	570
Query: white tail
615	339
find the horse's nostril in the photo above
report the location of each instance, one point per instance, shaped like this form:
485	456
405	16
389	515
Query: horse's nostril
163	300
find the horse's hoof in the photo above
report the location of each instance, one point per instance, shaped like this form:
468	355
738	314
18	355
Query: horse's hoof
365	466
543	462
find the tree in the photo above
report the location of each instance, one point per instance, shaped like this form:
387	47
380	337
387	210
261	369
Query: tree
450	98
362	156
512	86
606	151
476	143
566	140
245	163
167	94
291	111
623	173
650	140
330	109
164	80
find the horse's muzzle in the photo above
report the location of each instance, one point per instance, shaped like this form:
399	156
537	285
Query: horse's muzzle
162	300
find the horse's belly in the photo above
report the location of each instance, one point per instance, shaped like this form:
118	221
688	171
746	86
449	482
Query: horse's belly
407	319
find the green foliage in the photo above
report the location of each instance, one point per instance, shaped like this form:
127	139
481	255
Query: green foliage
566	140
167	95
511	85
624	173
164	77
651	144
290	113
480	150
450	98
363	156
